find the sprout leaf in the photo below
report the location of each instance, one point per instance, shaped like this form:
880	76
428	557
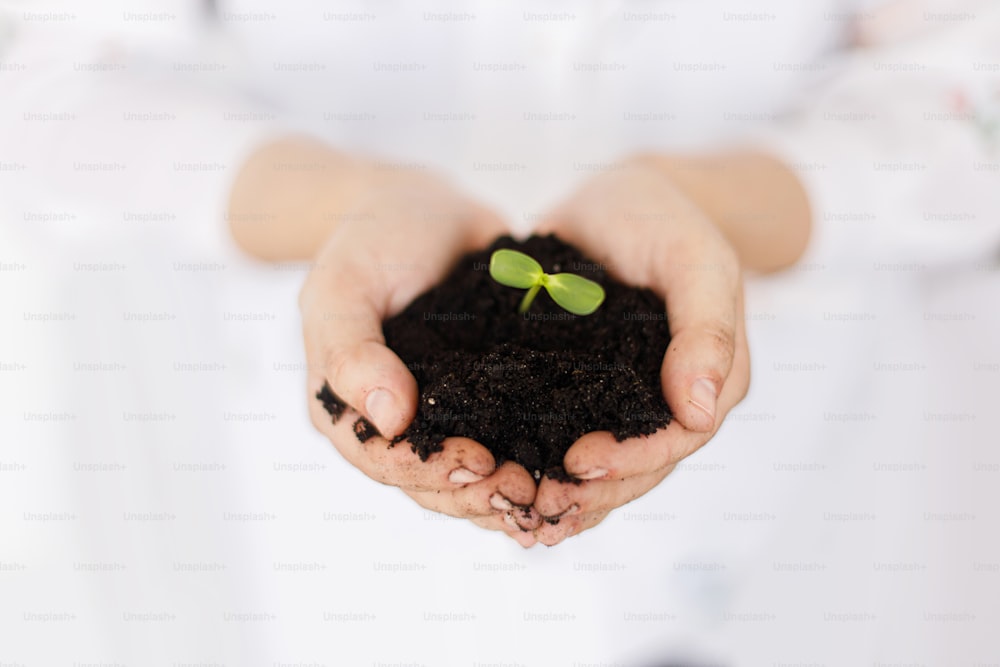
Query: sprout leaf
515	269
575	293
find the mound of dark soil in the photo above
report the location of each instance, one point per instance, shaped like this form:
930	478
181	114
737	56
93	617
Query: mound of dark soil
527	386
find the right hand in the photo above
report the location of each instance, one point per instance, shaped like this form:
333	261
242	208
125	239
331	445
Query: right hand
401	241
637	222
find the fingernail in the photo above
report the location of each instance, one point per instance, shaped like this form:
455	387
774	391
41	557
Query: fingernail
381	408
498	502
511	521
569	511
463	476
703	396
593	473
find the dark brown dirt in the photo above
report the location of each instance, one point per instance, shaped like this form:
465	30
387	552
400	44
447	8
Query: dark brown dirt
331	402
527	386
365	430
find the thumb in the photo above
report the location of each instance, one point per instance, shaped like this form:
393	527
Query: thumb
345	348
694	371
704	308
370	378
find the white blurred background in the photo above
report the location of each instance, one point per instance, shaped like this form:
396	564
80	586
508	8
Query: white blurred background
165	501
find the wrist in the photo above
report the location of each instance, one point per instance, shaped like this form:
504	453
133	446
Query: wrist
755	200
293	193
415	201
377	182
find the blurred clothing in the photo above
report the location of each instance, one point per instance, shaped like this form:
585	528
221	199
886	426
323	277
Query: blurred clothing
164	494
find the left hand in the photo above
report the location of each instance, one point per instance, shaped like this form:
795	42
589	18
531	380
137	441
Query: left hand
401	239
636	222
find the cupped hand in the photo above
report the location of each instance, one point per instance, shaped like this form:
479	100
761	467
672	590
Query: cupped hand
401	241
647	233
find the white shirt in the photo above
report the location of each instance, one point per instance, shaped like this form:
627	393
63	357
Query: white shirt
161	483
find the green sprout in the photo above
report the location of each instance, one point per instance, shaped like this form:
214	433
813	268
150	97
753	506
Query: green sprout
574	293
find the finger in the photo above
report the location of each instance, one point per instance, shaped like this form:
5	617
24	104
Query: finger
599	456
701	285
520	519
526	540
507	522
552	534
494	522
510	488
374	381
460	462
502	523
557	501
342	311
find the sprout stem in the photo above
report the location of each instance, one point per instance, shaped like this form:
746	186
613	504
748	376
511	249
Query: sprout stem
529	297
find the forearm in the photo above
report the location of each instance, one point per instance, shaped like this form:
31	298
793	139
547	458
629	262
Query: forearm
756	201
292	193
